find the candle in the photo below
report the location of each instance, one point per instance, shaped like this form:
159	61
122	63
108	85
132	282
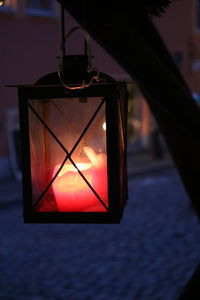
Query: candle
71	191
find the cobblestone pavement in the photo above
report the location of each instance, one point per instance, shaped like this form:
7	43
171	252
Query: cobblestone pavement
149	256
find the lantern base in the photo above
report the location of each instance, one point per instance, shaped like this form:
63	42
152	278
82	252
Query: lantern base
73	217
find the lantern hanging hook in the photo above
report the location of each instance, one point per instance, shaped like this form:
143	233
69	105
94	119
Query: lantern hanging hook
87	48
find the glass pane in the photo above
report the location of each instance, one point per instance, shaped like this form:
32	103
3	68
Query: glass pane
44	150
94	152
76	127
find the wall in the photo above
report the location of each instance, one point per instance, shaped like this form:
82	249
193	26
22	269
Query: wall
179	32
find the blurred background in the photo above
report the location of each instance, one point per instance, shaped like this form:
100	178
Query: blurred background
155	249
30	42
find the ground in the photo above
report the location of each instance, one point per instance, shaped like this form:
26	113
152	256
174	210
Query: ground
149	256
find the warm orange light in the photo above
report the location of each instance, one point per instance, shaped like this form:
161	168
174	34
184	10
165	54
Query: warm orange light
71	191
70	167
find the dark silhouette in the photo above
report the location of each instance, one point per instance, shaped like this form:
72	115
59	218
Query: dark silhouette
130	37
125	30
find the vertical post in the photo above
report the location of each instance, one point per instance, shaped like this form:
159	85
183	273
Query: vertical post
63	31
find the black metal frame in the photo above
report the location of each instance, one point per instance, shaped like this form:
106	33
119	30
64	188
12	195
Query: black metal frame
114	117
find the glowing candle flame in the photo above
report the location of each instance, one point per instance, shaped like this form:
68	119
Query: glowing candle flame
70	167
72	193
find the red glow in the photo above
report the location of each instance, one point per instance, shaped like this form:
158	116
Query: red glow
71	191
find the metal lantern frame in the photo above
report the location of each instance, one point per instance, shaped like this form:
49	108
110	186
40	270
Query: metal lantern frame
114	95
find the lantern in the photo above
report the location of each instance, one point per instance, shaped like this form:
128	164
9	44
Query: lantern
74	150
73	138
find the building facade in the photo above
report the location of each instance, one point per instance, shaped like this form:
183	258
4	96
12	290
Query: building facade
180	30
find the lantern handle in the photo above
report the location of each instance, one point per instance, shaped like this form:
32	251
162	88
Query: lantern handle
87	45
87	52
87	49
